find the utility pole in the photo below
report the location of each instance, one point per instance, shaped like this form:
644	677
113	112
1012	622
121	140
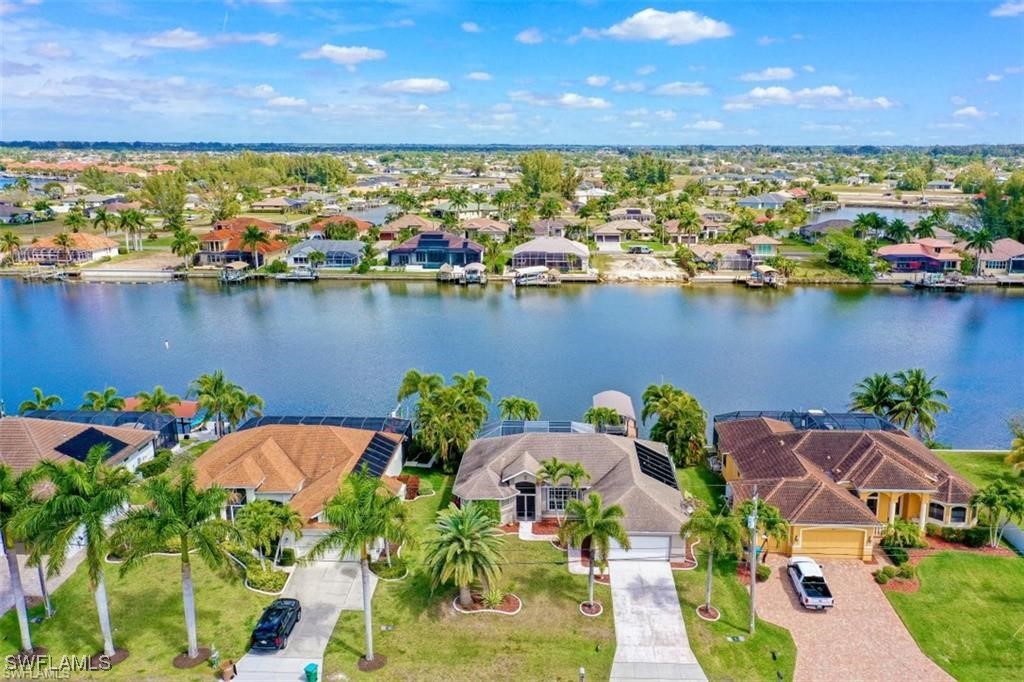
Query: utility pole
752	561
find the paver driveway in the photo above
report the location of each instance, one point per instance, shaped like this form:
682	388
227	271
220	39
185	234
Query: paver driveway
650	637
861	638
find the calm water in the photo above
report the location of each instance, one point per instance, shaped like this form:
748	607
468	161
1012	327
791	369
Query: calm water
341	348
907	215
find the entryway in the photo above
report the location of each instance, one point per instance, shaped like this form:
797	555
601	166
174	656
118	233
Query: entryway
526	502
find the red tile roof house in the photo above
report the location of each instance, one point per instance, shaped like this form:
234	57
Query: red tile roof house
921	255
85	248
317	228
26	441
223	244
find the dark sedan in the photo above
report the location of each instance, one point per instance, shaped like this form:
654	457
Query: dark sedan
276	624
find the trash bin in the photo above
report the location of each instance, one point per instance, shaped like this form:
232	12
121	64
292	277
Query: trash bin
311	672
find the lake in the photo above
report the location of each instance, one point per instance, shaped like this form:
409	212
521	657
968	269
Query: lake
342	347
907	215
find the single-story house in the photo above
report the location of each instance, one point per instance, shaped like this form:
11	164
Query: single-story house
921	255
161	424
558	253
338	253
762	247
812	232
583	195
618	231
550	227
1006	257
26	441
641	215
942	185
319	227
773	200
837	478
280	204
417	223
635	474
433	249
85	247
14	215
742	257
472	210
495	229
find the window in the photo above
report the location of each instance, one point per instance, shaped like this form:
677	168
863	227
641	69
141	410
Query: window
936	511
872	503
559	497
958	515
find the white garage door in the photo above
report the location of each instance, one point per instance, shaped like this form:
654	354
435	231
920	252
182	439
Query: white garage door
643	547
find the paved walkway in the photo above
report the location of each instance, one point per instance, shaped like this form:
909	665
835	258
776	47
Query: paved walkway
650	636
30	578
325	589
861	638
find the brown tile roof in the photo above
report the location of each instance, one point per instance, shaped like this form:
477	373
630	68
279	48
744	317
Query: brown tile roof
361	225
83	241
186	409
240	223
25	441
412	220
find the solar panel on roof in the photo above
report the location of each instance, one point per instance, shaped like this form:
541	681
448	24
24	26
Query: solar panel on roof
377	455
656	465
291	420
77	447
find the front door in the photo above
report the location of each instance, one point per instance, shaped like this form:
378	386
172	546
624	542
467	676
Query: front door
526	501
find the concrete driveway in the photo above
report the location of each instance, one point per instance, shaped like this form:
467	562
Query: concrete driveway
861	638
325	589
650	637
30	578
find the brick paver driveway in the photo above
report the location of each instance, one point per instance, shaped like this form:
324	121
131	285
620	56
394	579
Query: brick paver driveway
861	638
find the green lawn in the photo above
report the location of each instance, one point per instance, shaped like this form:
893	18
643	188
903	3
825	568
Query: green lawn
980	468
654	245
968	616
548	639
146	614
703	484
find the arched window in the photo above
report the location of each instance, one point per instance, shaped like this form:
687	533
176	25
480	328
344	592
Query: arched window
937	511
958	514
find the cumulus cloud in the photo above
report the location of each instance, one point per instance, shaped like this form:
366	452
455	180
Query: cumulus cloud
646	70
568	100
675	28
479	76
597	81
665	114
530	36
705	125
348	56
13	69
970	112
471	27
682	89
286	102
994	77
772	73
176	39
261	91
416	86
958	100
807	68
267	39
1008	9
821	97
50	50
631	86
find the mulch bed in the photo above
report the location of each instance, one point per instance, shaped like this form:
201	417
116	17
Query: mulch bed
510	604
939	545
95	662
591	608
706	614
901	585
743	573
605	579
545	527
184	662
32	602
686	565
377	663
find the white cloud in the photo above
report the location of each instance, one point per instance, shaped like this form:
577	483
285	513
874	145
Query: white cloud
286	102
267	39
261	91
348	56
636	124
641	111
568	100
826	127
821	97
970	112
882	133
479	76
808	68
958	100
1014	69
50	50
597	81
1008	9
176	39
646	70
416	86
471	27
994	77
705	124
632	86
948	126
665	114
681	89
765	41
772	73
530	36
675	28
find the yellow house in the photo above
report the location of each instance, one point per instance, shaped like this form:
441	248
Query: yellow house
837	480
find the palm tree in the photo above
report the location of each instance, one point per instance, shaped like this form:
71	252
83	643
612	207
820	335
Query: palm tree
240	405
591	522
575	472
981	241
917	401
64	241
1015	457
74	220
601	417
261	524
466	545
184	244
131	222
446	421
178	510
13	495
289	520
157	401
770	524
417	383
98	401
102	219
214	393
1000	502
359	514
924	228
39	401
472	385
84	496
479	198
875	394
252	238
718	533
317	258
514	407
10	243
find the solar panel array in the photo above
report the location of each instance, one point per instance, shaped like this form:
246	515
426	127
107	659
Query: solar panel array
656	465
377	454
817	420
385	424
511	427
164	424
77	447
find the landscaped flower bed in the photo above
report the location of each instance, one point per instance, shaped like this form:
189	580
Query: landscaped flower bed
510	605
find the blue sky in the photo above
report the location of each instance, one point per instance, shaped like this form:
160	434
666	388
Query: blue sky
586	72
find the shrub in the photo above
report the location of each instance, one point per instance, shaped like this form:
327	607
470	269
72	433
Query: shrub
976	537
156	466
268	580
897	555
907	572
492	509
953	534
494	597
933	530
890	571
287	557
397	569
763	572
881	578
276	267
242	554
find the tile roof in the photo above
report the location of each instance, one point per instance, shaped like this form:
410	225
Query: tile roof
552	245
82	241
25	441
361	225
186	409
414	221
435	239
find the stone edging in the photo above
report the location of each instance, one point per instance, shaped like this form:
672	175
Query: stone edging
459	609
591	615
271	594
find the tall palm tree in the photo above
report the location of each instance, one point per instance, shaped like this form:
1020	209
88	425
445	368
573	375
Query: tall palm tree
466	545
39	401
358	515
576	473
214	393
10	243
472	385
1015	457
185	245
317	258
263	524
74	220
917	402
514	407
102	219
876	394
12	498
178	510
64	241
590	521
98	401
289	520
981	241
131	222
84	496
446	421
240	405
718	533
898	231
252	238
417	383
158	401
770	524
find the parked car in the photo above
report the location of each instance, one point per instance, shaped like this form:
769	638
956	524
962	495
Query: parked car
276	625
809	583
641	249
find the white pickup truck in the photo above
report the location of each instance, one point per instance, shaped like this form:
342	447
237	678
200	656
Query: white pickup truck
809	583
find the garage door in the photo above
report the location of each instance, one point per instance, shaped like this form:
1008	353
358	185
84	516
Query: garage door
643	547
832	542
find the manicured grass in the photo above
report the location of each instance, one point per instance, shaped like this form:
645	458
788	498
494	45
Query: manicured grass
750	659
147	617
654	245
703	484
968	616
980	468
548	639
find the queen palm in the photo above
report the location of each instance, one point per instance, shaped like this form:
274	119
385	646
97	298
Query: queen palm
158	400
10	243
719	534
875	394
252	238
589	521
12	498
63	240
514	407
74	220
185	245
178	510
1015	457
466	546
263	524
981	241
39	401
98	401
131	222
84	496
358	515
446	421
472	385
240	405
917	402
214	393
101	219
317	258
417	383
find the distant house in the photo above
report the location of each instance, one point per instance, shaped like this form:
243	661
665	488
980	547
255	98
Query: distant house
14	215
557	253
815	231
612	234
477	227
224	245
338	253
186	413
583	195
774	201
417	223
761	248
319	227
280	204
550	227
1006	257
85	247
942	185
472	210
921	255
743	257
622	404
26	441
431	250
641	215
